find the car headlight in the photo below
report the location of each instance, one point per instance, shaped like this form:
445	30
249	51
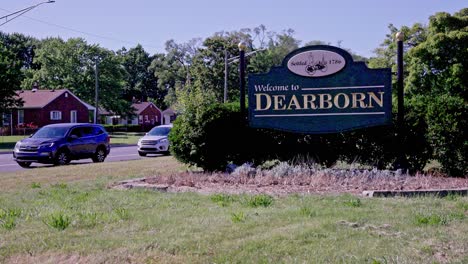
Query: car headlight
17	145
46	145
164	140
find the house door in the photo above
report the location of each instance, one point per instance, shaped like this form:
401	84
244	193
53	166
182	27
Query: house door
73	116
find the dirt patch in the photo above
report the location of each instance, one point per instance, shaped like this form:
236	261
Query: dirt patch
116	256
320	182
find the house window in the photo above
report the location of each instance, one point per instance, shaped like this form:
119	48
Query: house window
73	116
140	119
55	115
20	116
5	119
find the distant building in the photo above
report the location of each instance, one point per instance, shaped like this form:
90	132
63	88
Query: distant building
145	114
43	107
168	116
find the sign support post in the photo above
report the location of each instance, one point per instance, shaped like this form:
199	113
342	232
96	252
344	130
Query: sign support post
401	163
401	107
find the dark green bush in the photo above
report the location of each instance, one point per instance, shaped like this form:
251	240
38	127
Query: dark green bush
218	136
211	141
447	133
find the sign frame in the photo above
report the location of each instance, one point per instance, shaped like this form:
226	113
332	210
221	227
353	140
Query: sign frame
350	96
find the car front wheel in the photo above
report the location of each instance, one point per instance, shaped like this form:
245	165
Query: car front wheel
62	158
100	155
24	164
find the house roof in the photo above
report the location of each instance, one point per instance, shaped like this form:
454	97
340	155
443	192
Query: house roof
169	111
41	98
140	107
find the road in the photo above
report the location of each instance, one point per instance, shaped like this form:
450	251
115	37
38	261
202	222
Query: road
7	164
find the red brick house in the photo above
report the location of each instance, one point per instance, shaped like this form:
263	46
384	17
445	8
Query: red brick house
43	107
147	114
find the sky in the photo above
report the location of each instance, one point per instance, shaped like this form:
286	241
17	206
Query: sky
360	25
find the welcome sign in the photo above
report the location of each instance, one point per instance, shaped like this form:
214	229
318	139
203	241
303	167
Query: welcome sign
320	89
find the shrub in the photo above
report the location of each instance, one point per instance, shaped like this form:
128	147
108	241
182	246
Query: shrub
210	141
260	200
125	128
430	219
238	217
354	202
58	221
306	211
215	136
447	118
222	199
8	223
122	213
35	185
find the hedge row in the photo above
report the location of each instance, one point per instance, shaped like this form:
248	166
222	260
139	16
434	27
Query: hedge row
219	136
127	128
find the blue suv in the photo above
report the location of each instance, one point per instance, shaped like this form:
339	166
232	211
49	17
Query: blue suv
60	143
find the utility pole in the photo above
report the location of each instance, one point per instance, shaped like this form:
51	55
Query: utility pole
228	61
242	48
225	75
96	91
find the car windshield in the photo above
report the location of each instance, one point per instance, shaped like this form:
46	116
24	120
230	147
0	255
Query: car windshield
51	132
159	131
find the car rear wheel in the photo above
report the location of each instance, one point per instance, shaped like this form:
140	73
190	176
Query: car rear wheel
62	158
24	164
99	155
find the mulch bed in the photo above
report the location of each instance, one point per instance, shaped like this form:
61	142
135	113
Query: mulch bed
320	182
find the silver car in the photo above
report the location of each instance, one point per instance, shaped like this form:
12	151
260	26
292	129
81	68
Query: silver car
155	141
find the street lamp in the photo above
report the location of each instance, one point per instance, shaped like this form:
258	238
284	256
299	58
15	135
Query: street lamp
22	11
228	61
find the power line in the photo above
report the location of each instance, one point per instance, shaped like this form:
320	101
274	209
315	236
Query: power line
85	33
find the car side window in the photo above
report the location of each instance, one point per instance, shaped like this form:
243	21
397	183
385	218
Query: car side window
87	131
97	131
76	132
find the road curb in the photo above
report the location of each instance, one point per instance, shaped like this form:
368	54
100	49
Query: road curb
112	146
414	193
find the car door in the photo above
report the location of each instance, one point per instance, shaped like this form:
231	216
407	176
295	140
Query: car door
87	138
75	142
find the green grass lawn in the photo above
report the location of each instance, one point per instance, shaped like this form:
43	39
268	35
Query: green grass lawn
125	138
7	143
67	214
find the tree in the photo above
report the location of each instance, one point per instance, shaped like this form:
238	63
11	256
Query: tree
386	53
172	70
141	83
438	88
279	45
16	55
70	64
10	79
